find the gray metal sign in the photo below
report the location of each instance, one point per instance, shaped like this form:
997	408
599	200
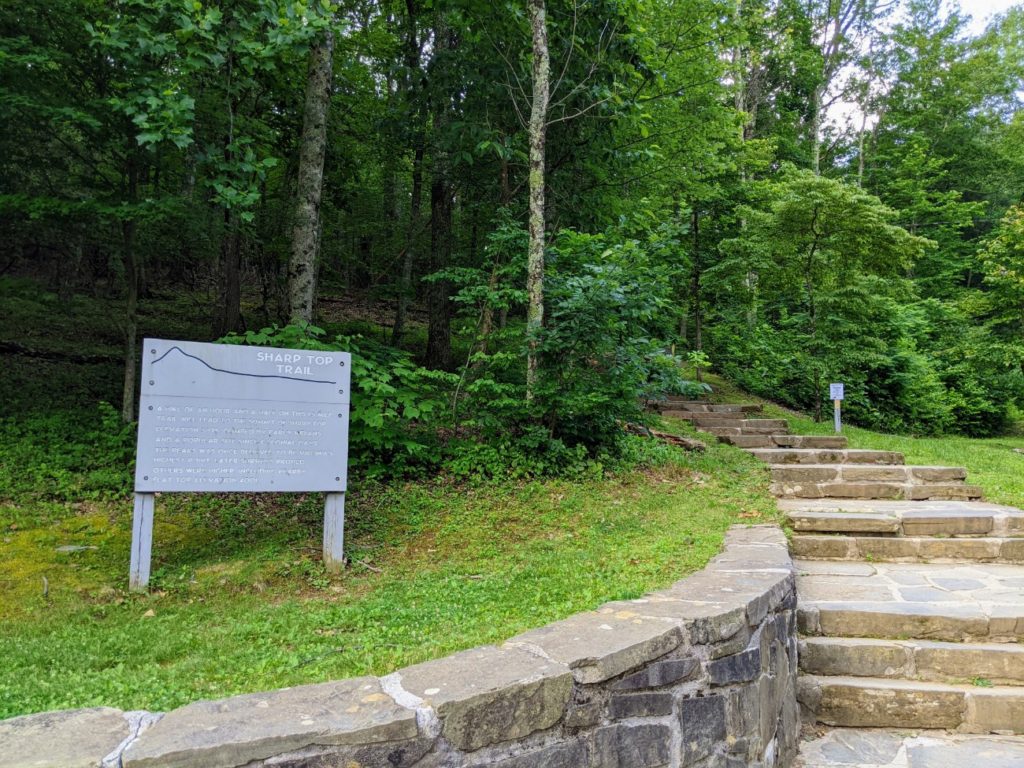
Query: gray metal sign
216	417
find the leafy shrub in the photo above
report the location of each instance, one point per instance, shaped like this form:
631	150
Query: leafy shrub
396	405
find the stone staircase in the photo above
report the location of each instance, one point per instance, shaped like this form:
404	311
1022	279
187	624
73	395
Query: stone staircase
911	592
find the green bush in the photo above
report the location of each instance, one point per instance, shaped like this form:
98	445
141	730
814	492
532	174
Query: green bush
396	404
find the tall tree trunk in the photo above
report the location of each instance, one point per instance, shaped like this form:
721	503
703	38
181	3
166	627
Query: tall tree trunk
412	233
305	234
130	259
230	316
412	87
695	291
439	340
538	138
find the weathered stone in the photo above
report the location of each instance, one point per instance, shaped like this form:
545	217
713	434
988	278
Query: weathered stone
982	753
952	491
73	738
866	703
738	668
627	705
995	710
631	746
703	725
1012	550
658	674
876	474
938	474
854	657
604	644
887	549
950	523
843	522
918	620
811	473
960	549
998	662
822	547
488	695
570	755
851	490
583	714
241	729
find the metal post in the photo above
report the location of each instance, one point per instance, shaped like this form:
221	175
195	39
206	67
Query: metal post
142	541
838	416
334	532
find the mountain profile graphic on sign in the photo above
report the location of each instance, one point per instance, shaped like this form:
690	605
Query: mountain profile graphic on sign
224	371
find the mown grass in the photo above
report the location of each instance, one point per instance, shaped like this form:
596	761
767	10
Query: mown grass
240	600
993	463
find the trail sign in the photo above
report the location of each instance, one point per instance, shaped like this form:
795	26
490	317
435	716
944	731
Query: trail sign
217	417
837	392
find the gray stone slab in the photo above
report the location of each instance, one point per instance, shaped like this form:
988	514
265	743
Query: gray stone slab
73	738
235	731
980	753
488	695
854	747
600	645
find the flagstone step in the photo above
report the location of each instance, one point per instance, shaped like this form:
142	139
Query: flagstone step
826	456
957	602
861	702
906	519
794	474
785	441
954	623
709	421
744	430
907	548
988	663
957	491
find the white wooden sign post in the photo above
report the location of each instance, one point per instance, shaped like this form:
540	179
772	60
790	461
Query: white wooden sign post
837	393
218	417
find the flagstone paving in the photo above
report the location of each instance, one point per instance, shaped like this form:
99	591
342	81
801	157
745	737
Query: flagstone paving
854	748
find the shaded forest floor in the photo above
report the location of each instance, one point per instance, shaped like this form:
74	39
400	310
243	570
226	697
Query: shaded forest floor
239	599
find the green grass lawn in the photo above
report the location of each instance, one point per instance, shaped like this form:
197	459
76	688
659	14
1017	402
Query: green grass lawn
240	601
991	463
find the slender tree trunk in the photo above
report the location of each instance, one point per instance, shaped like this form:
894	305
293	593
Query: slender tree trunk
819	96
305	234
229	318
695	291
412	233
412	82
538	138
439	341
130	259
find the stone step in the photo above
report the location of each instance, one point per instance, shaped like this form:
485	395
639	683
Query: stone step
785	441
953	622
707	421
702	407
957	491
738	431
796	474
865	702
897	549
826	456
1000	663
903	518
716	419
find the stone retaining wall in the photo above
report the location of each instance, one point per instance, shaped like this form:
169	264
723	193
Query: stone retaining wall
700	674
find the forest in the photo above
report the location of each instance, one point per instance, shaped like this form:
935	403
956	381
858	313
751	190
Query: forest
547	212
